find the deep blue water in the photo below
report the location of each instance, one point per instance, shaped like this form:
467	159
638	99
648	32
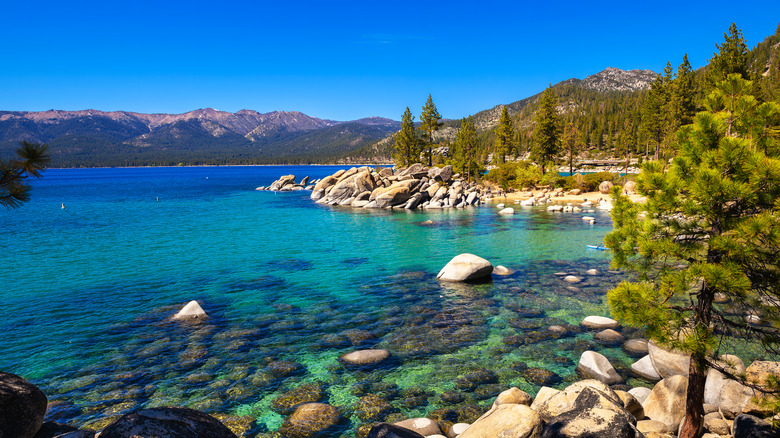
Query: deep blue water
87	292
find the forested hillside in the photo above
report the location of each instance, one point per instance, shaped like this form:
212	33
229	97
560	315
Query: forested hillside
616	113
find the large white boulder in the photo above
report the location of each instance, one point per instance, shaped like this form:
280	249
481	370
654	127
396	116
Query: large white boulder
596	366
644	368
666	402
668	363
465	267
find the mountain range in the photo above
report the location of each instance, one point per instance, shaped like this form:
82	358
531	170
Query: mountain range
208	136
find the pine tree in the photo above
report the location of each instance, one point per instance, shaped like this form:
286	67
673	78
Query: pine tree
571	137
710	225
33	159
682	107
429	123
731	57
505	137
466	156
407	144
546	136
653	127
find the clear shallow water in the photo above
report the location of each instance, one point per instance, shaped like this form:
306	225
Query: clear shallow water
87	293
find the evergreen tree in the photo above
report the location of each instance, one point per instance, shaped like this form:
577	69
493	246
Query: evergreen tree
33	159
653	127
682	106
407	144
710	225
571	137
466	156
505	137
731	57
547	132
429	122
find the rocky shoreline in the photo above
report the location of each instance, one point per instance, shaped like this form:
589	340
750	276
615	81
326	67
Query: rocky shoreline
410	188
600	404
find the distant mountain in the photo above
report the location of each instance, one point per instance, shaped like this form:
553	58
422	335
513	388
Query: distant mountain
615	79
121	138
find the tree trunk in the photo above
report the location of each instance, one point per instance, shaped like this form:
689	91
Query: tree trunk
694	400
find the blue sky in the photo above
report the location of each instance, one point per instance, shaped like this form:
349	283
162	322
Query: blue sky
340	60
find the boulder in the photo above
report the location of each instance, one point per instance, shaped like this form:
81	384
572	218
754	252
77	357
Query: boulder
644	369
457	429
392	196
666	402
640	393
734	396
508	210
599	322
310	420
286	180
564	401
596	366
631	404
442	175
636	347
22	407
760	373
609	337
593	414
465	267
508	420
668	363
748	426
502	271
364	357
319	188
573	279
715	423
423	426
191	311
629	187
544	394
167	422
605	187
716	379
384	430
652	426
513	396
286	403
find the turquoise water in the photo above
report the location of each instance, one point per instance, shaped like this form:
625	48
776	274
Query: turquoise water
88	291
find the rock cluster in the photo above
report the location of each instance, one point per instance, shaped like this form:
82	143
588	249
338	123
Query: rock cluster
411	188
287	184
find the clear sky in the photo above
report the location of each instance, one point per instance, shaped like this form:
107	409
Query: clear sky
341	60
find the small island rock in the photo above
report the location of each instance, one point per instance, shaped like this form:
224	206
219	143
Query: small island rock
191	310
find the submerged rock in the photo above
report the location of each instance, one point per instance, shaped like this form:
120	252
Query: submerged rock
365	357
310	420
167	422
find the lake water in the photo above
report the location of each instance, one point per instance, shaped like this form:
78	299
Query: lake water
87	293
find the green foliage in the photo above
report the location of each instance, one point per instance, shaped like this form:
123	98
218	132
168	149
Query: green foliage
407	144
429	123
516	175
466	150
710	225
33	158
505	137
731	57
547	132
